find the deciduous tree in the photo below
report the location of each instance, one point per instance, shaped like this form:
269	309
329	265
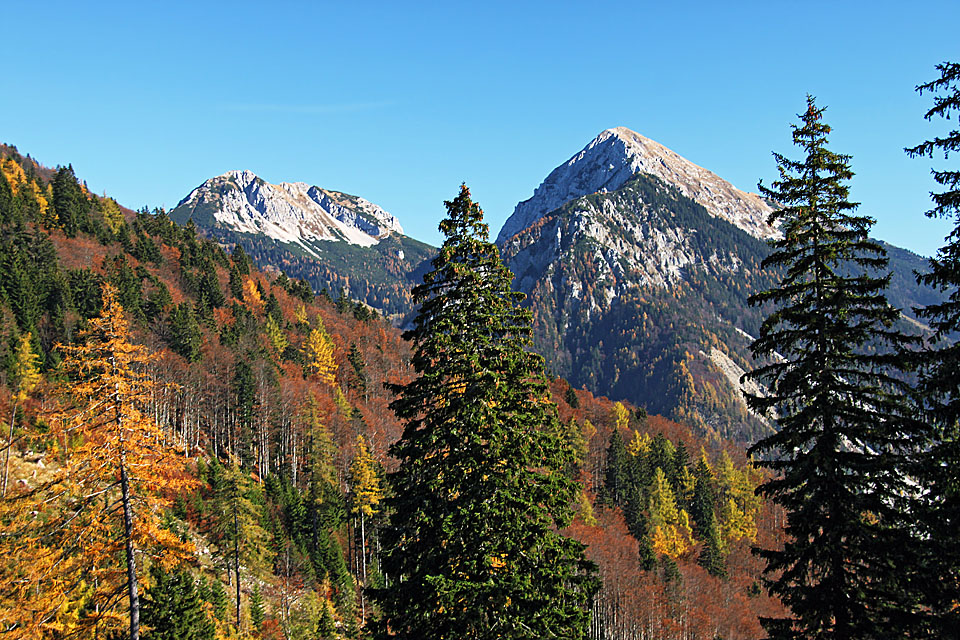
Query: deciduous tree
74	540
26	375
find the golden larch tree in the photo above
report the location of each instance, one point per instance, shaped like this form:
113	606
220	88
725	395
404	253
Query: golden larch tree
318	350
71	545
367	492
670	526
26	375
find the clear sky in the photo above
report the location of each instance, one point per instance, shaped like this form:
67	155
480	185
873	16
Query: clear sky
401	102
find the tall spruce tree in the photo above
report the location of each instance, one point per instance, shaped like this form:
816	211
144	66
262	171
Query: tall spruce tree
841	447
472	549
939	384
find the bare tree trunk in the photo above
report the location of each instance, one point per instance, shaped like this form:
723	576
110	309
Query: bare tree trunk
131	560
236	558
132	590
6	461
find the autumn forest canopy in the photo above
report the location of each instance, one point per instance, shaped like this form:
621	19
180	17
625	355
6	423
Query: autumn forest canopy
197	448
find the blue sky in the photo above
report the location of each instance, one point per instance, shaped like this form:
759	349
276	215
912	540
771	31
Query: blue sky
401	102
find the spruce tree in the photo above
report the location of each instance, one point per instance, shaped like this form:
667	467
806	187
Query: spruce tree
939	384
173	608
617	478
472	549
185	337
840	451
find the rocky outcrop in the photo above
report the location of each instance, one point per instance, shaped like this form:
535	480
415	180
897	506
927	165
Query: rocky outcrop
613	157
289	212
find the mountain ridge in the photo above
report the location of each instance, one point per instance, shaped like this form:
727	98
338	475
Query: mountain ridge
615	155
333	240
290	212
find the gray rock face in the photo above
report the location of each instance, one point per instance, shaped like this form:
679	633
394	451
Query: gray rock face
615	155
294	213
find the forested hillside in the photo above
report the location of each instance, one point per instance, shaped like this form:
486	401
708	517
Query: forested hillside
642	294
252	427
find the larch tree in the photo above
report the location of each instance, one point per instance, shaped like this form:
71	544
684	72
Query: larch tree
238	524
74	541
840	454
318	354
26	375
472	549
366	493
939	385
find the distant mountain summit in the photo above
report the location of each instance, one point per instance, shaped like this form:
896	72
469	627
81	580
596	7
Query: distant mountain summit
334	240
289	212
614	157
638	266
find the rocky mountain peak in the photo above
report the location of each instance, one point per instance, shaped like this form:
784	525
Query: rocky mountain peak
290	212
618	153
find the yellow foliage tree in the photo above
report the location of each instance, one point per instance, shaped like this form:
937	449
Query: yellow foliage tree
277	339
639	444
13	173
77	537
585	510
318	352
621	415
366	490
251	295
300	313
26	375
670	527
112	216
43	202
735	523
588	430
738	495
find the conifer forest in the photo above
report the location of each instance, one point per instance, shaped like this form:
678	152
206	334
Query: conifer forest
198	448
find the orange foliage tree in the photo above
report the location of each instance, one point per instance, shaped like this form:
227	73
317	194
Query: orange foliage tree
70	545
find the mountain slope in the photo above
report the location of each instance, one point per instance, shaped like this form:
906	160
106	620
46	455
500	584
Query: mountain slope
639	286
633	290
238	374
331	239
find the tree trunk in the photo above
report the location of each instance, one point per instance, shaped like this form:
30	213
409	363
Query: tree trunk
363	565
131	560
6	461
236	559
132	591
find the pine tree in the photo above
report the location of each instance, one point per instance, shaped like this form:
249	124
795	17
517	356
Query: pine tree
618	477
359	379
258	612
326	625
839	453
185	337
704	498
939	384
173	608
711	556
68	200
472	550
